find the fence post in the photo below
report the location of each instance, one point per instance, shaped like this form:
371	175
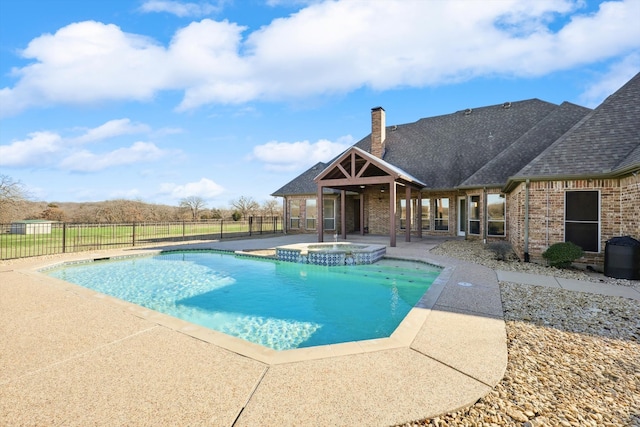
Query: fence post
64	237
221	227
133	237
183	230
250	222
260	224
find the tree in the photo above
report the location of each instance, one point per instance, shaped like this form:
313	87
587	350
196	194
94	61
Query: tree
271	208
12	195
53	213
194	204
245	205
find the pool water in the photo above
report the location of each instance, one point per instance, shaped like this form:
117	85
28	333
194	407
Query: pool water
276	304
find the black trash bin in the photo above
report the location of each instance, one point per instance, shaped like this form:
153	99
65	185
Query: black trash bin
622	258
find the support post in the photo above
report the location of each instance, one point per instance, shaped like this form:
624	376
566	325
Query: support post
361	214
343	213
407	226
320	216
419	215
392	213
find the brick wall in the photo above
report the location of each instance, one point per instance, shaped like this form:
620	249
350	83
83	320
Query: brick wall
630	206
376	211
618	214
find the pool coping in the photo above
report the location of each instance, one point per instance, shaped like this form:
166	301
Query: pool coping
457	356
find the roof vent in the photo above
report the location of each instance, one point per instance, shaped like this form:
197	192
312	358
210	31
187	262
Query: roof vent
468	111
506	105
394	127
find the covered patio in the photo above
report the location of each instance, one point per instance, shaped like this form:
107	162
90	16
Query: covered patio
354	171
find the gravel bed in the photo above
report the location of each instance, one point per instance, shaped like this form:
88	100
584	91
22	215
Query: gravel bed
476	252
574	358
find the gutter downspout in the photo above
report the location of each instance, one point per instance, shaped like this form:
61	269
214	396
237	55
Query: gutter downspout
526	221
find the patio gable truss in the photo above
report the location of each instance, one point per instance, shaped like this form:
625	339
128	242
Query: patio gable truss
356	167
354	170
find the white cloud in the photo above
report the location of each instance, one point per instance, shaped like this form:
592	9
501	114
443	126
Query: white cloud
38	148
86	161
325	48
111	129
84	63
180	9
620	73
51	149
292	156
205	188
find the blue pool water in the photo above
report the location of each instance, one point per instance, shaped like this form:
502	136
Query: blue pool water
277	304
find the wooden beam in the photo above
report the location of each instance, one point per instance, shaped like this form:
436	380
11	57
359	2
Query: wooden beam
353	164
364	167
343	214
392	213
407	226
337	183
419	214
320	215
343	170
362	214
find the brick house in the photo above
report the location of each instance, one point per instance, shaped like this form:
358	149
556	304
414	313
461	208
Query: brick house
529	172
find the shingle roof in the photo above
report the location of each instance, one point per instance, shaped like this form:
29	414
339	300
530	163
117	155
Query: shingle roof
303	183
605	141
444	151
528	146
494	144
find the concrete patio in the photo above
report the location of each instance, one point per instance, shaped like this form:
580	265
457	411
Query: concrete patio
71	356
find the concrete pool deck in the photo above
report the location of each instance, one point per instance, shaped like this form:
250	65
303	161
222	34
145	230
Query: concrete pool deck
70	356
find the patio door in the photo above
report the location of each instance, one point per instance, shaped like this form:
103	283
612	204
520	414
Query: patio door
462	216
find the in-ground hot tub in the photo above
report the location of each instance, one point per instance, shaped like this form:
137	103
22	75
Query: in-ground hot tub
331	254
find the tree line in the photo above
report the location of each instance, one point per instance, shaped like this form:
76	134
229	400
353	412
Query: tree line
17	204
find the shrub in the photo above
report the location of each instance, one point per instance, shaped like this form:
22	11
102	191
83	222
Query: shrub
502	250
562	254
236	216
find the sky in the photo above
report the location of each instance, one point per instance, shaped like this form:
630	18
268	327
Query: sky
159	100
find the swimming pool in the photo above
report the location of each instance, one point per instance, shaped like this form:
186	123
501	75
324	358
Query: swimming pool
276	304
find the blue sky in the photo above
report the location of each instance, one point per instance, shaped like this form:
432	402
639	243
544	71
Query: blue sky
156	100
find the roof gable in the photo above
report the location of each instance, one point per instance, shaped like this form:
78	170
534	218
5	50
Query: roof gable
357	167
604	142
528	146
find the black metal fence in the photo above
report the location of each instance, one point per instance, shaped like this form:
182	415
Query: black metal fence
34	238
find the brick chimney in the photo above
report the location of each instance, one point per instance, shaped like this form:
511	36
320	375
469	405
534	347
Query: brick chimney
378	131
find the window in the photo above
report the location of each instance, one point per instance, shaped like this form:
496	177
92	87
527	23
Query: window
582	219
329	214
474	215
311	213
426	214
414	213
442	214
294	214
496	215
403	213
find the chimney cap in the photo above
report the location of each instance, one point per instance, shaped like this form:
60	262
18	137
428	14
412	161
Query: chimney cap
377	108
